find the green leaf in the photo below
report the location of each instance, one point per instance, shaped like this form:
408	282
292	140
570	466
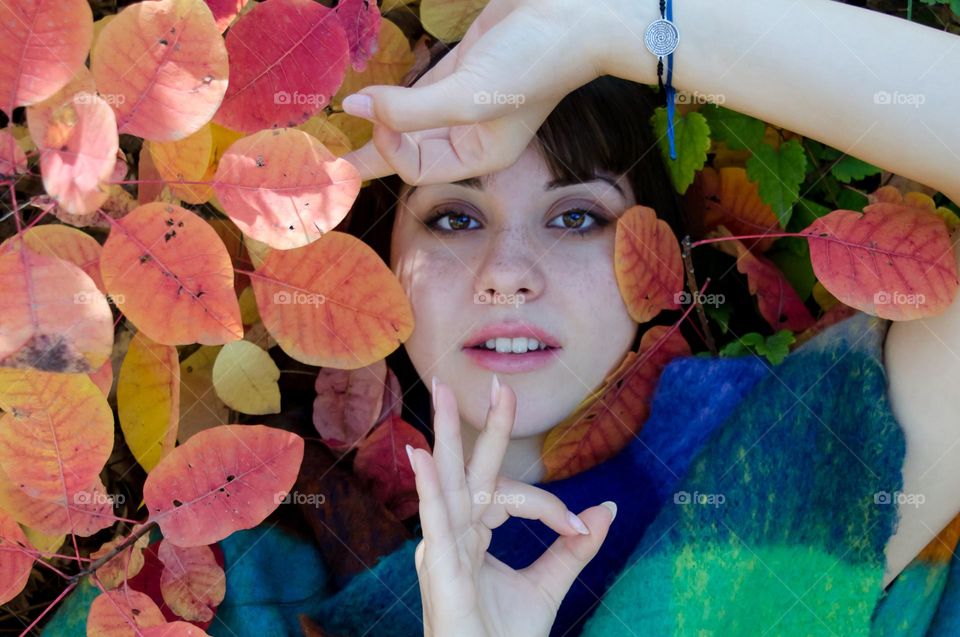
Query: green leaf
851	200
720	314
692	137
778	174
805	213
737	130
850	168
792	257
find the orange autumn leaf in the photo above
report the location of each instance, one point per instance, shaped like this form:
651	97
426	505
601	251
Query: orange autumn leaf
608	420
348	403
192	583
78	152
333	303
87	511
186	159
647	263
36	62
122	566
122	613
382	462
170	274
779	303
62	242
246	472
54	318
893	261
392	60
732	200
57	433
163	66
284	188
39	115
15	560
891	194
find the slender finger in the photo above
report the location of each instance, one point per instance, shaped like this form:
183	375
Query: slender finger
555	571
440	554
513	498
448	455
487	457
369	162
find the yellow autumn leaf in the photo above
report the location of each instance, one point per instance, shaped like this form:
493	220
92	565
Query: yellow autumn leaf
390	5
245	378
200	407
148	399
358	130
387	66
186	159
248	306
448	20
43	542
328	134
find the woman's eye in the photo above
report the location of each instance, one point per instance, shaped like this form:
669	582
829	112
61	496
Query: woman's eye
448	221
576	219
455	221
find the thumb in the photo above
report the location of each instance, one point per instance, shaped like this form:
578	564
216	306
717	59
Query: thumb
555	571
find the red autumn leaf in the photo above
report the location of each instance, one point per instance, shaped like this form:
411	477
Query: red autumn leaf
122	613
86	511
278	82
333	303
57	434
78	152
361	22
348	403
779	303
12	158
43	43
162	66
392	397
284	188
170	274
192	582
224	11
54	318
647	263
893	261
15	561
732	200
242	473
608	420
382	461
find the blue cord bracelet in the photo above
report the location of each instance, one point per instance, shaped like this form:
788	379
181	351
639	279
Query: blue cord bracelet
661	39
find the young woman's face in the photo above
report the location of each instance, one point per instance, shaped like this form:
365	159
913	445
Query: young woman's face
508	250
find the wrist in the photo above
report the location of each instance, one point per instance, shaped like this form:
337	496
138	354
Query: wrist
623	53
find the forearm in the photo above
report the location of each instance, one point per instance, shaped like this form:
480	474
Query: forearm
816	67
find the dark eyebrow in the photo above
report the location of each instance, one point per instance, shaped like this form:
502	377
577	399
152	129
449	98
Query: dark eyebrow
477	184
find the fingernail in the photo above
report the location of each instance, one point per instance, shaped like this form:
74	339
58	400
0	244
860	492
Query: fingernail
494	391
434	395
613	508
577	523
410	457
359	105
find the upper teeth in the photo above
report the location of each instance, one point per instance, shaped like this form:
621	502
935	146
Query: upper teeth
519	345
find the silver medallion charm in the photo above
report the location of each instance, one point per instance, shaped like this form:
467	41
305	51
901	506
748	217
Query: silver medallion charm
661	37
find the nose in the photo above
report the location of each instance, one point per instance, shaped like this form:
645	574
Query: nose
512	269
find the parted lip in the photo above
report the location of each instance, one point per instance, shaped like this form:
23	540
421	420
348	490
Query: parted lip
510	329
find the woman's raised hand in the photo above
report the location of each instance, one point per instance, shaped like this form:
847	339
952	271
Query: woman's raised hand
466	591
479	107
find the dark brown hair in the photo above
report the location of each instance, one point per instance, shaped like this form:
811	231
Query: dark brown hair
603	125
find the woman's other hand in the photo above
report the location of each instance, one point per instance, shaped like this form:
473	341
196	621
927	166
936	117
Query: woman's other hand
480	106
467	592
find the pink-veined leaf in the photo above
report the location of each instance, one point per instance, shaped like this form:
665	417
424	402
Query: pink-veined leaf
62	242
122	613
348	403
222	480
278	82
224	11
170	274
163	67
15	560
42	42
192	583
284	188
893	261
361	22
54	318
647	262
87	510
